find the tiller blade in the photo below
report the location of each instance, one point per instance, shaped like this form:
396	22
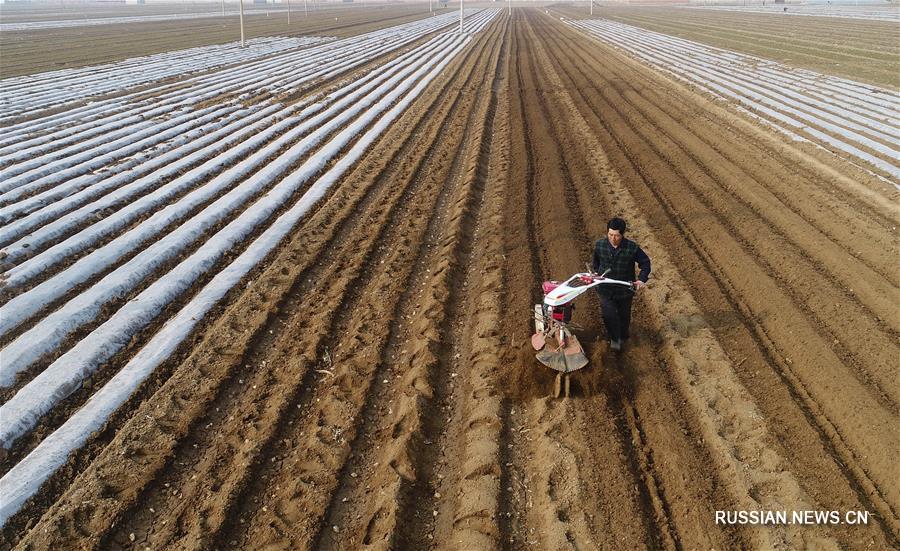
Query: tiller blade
568	359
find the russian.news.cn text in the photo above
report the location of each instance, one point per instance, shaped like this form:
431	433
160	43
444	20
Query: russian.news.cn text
792	517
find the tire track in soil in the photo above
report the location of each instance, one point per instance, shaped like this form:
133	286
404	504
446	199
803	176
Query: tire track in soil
177	424
829	215
783	376
480	506
449	376
635	389
479	509
818	167
674	364
520	284
548	172
396	453
635	379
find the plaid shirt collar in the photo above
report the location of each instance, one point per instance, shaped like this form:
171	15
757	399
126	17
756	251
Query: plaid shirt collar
615	250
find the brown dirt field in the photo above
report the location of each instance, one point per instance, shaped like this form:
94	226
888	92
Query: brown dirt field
35	51
866	51
371	385
27	11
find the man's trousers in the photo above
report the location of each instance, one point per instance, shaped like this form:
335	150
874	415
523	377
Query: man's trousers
616	315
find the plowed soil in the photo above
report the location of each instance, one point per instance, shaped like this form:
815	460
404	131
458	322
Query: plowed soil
373	387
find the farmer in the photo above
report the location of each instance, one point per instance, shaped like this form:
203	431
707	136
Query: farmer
618	255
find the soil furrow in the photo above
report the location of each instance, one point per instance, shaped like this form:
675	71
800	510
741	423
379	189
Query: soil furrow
636	162
308	386
819	352
636	381
630	424
105	371
397	454
480	509
311	272
828	306
522	291
558	509
450	373
343	359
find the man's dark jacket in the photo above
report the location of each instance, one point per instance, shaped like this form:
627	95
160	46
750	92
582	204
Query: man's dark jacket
620	261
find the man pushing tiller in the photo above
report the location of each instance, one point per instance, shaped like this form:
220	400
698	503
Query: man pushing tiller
615	257
612	273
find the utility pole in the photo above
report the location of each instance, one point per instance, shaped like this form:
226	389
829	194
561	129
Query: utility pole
460	16
241	2
289	11
223	8
305	9
510	8
592	6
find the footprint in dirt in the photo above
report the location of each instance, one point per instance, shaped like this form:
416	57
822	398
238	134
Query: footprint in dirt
604	374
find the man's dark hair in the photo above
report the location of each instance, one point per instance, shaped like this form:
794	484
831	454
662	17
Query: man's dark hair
616	224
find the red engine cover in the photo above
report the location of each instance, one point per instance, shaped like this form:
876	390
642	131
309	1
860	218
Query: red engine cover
549	286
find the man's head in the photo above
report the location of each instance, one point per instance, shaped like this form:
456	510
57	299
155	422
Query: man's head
615	231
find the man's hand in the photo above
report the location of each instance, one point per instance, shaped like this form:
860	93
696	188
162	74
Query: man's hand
638	285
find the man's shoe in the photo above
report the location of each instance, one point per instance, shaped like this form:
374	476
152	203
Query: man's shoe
615	345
